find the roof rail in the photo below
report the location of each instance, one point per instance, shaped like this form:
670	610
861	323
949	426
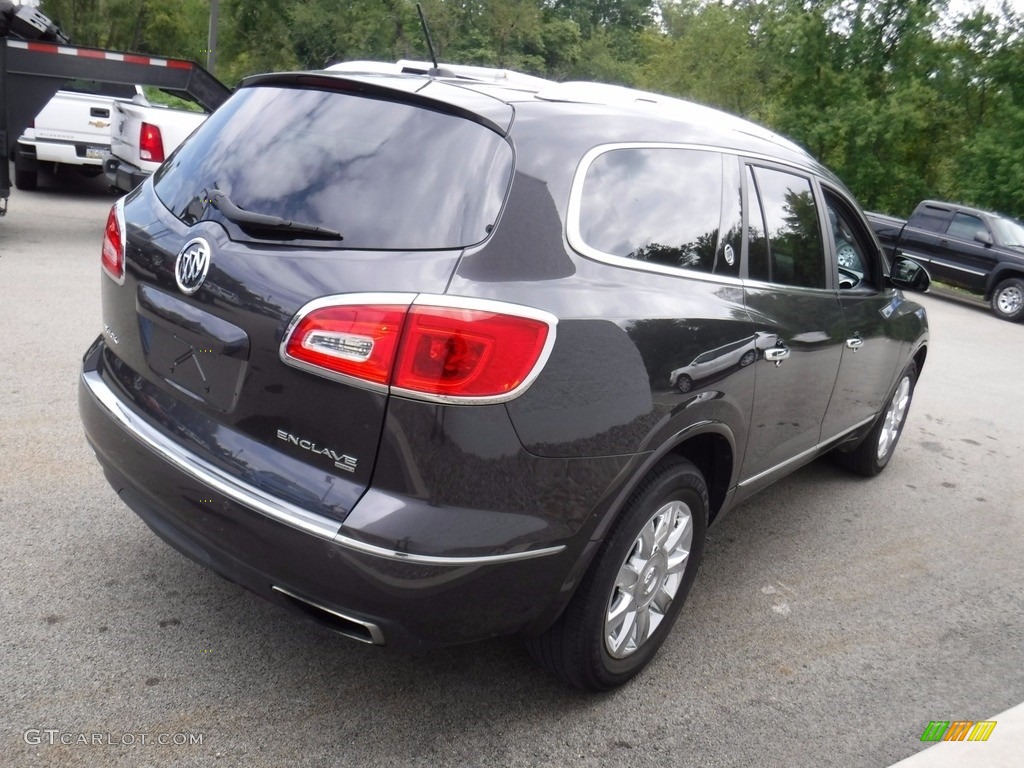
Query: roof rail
582	92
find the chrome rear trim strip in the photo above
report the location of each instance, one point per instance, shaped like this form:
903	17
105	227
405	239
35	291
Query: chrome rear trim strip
276	509
409	557
206	473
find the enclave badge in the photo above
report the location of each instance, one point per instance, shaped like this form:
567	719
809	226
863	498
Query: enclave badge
192	264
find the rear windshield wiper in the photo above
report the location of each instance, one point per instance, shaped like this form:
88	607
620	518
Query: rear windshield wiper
265	222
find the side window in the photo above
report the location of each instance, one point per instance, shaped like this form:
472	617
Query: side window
965	226
929	217
784	241
851	245
664	206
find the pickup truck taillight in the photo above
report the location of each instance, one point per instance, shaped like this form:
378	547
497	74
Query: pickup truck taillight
151	143
112	255
438	348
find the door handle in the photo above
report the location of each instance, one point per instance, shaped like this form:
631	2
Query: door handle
99	112
855	343
776	355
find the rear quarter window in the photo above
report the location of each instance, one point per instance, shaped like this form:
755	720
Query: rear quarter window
663	206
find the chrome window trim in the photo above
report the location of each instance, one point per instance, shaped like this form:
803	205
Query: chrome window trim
576	196
276	509
431	300
805	454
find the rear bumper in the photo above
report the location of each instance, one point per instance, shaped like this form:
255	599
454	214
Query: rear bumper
65	153
123	175
306	561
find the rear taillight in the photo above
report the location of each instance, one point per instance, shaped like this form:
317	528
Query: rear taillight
356	341
440	348
112	255
151	143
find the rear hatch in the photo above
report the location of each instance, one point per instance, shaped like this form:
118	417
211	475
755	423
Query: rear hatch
297	189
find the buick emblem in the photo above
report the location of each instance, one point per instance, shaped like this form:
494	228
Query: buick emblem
192	265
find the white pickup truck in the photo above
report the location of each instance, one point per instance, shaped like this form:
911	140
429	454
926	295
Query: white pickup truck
142	135
73	129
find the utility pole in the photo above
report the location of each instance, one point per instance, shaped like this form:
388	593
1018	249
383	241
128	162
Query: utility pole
211	40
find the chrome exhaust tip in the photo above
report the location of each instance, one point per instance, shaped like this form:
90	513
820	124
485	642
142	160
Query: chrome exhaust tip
350	627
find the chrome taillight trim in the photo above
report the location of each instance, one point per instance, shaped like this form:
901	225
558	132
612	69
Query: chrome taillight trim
340	300
430	300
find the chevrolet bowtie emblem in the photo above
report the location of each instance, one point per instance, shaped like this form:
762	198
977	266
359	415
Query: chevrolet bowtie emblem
99	123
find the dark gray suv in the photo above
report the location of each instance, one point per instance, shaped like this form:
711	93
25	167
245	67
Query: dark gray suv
437	356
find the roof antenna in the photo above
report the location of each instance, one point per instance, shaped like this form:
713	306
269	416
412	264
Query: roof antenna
430	45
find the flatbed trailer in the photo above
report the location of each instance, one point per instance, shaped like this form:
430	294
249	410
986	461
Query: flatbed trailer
36	59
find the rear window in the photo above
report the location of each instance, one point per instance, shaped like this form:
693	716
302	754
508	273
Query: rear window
386	175
97	88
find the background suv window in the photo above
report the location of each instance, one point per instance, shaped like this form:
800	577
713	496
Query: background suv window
784	236
664	206
964	226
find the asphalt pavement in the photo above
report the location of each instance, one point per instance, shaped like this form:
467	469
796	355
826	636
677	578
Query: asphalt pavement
833	619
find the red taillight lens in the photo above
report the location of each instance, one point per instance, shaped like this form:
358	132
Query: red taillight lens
466	352
352	340
112	255
151	143
457	350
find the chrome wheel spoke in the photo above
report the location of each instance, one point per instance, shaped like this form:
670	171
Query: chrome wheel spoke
682	535
618	638
647	541
627	578
677	561
663	599
642	630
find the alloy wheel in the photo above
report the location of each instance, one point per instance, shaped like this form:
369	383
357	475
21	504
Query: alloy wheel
893	419
1010	300
648	579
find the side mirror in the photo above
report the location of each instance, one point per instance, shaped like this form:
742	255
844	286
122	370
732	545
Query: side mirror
909	275
983	237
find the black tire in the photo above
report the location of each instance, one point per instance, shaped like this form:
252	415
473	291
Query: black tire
1008	299
577	647
684	383
25	178
871	456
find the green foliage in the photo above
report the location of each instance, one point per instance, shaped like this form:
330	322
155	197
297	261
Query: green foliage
900	98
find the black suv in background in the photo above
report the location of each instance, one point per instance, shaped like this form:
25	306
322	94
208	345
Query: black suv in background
976	250
433	357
